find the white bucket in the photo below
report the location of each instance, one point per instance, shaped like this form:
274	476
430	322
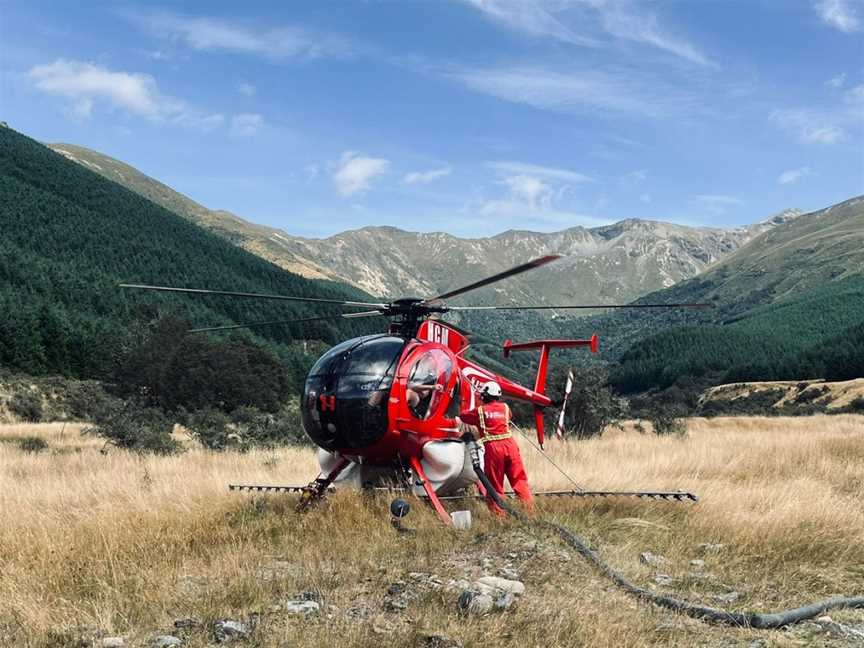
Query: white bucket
461	519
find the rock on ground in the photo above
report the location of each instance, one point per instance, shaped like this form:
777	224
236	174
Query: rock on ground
648	558
306	608
166	641
227	630
112	642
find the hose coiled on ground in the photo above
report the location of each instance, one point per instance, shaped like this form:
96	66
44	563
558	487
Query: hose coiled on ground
709	614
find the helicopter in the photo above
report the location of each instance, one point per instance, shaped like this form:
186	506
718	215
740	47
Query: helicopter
384	408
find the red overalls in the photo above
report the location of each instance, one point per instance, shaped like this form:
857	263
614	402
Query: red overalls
501	456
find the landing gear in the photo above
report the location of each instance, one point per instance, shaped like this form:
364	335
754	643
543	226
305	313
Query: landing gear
316	489
417	467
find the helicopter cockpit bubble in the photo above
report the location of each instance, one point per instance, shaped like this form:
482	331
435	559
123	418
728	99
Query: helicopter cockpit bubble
346	393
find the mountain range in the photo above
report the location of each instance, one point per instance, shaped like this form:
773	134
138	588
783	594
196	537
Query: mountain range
788	291
613	263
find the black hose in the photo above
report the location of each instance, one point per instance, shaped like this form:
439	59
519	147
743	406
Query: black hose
712	615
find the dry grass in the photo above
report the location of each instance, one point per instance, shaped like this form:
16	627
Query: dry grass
120	544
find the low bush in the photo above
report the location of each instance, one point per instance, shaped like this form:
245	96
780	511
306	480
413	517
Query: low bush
130	425
33	445
87	401
27	405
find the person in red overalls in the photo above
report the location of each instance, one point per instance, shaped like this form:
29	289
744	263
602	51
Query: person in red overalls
501	453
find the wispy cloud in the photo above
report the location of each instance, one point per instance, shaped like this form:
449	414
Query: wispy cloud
554	173
839	14
205	33
86	85
532	18
809	126
246	89
621	19
580	91
837	81
246	124
425	177
793	175
718	203
589	23
354	173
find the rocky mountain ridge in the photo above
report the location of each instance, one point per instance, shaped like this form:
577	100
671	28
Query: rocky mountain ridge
612	263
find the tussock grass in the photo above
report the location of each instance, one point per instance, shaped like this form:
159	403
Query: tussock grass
116	543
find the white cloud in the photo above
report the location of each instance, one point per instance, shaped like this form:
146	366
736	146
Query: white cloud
592	21
530	190
425	177
810	127
718	203
793	175
837	81
84	85
246	89
580	91
531	18
838	14
246	124
620	20
354	173
214	34
553	173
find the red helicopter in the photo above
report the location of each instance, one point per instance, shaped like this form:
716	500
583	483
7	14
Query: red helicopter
385	406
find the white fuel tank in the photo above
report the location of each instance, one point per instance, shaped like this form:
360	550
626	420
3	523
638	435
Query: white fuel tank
354	475
447	465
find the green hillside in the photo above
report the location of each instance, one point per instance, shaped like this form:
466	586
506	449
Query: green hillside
819	334
70	236
789	305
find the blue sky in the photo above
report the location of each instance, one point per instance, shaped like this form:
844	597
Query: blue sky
469	116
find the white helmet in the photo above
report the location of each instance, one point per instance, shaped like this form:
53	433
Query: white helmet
491	389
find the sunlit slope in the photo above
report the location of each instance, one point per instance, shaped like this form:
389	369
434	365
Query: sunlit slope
789	305
802	254
69	236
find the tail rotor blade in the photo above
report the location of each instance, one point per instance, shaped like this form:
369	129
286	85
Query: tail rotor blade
559	429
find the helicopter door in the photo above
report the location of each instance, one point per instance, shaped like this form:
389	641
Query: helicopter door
428	386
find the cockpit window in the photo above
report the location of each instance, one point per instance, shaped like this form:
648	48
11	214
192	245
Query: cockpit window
347	392
427	383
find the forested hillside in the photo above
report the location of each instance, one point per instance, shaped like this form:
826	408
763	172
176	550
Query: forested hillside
788	306
69	236
819	334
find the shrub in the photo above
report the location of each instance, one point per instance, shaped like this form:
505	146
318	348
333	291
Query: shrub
86	401
666	421
27	405
856	406
32	444
211	428
592	406
132	426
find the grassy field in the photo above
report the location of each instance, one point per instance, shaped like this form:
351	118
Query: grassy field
100	543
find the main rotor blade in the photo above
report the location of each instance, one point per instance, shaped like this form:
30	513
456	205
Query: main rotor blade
581	306
228	293
294	321
536	263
